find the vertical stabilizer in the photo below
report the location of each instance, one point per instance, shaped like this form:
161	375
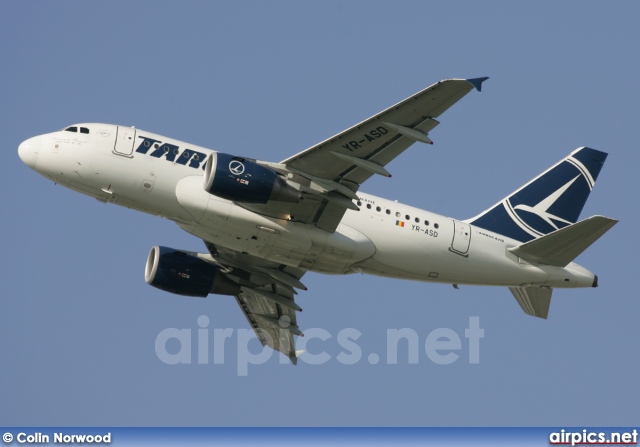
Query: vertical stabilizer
551	201
533	300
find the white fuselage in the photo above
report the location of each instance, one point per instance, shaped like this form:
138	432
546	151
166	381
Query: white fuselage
384	238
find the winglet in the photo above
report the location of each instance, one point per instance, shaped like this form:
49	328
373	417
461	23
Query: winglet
477	82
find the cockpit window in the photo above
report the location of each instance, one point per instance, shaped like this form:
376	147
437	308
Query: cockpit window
84	130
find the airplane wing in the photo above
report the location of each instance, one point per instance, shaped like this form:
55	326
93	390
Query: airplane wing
331	172
328	176
266	296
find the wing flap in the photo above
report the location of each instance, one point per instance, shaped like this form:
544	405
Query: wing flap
564	245
390	151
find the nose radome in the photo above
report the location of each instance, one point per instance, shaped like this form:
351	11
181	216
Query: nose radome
29	150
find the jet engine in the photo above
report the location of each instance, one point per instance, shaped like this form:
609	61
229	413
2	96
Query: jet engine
242	180
185	274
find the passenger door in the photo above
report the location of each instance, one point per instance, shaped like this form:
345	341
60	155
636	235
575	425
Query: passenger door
124	141
461	238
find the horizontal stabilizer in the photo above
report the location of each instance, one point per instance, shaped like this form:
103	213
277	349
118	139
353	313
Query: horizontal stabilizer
563	246
534	301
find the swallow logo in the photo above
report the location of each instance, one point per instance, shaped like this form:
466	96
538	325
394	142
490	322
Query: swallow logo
541	210
236	167
550	202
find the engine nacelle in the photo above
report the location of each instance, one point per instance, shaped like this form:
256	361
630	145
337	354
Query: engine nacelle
178	272
242	180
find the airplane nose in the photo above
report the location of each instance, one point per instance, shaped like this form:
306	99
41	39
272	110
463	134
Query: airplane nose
29	150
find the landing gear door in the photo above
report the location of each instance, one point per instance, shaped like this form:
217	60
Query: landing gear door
461	238
124	141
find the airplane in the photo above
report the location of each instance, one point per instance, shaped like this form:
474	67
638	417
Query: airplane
266	224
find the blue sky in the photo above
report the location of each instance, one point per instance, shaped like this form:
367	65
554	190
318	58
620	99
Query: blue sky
78	323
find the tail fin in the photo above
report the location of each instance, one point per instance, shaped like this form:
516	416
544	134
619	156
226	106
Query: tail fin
549	202
534	301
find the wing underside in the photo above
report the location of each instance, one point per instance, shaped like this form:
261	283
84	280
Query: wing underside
266	297
330	173
274	324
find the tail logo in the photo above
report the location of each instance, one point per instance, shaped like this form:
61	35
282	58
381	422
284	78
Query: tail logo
545	220
549	202
542	208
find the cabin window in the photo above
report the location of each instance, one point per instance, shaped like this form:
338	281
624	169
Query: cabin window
388	211
436	226
378	209
426	222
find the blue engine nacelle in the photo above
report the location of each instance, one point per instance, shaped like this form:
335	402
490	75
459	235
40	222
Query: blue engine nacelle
245	181
182	273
